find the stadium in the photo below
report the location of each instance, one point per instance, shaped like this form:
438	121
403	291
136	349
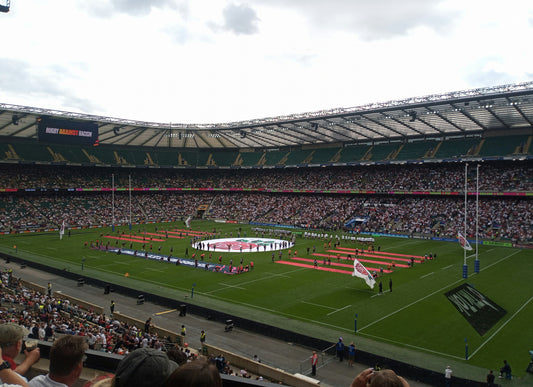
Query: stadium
261	221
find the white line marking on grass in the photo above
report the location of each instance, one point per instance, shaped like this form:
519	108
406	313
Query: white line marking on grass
430	295
252	281
488	250
51	248
428	274
277	275
447	267
150	268
412	346
500	328
400	245
322	306
111	264
338	310
231	286
500	260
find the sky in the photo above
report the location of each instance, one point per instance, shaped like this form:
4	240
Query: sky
222	61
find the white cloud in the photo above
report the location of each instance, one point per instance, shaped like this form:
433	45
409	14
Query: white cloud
222	61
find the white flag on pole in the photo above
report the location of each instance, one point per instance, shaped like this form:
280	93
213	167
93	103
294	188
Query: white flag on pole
62	230
360	271
463	242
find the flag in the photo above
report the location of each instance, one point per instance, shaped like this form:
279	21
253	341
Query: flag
360	271
463	242
127	275
61	230
188	222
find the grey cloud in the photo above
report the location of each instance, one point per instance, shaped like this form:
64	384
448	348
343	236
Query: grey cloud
18	78
371	20
240	19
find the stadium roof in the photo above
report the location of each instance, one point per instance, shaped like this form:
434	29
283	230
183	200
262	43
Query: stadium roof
461	113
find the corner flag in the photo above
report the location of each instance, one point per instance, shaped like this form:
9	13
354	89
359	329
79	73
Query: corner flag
360	271
463	242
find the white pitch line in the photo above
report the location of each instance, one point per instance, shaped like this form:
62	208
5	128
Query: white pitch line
430	295
500	328
338	310
113	264
322	306
447	267
413	346
428	274
231	286
401	244
259	279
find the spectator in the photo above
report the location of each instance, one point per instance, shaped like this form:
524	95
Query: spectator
448	376
66	363
383	378
11	336
144	367
8	377
490	379
505	371
198	373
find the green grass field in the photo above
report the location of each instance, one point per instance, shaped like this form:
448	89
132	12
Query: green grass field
415	316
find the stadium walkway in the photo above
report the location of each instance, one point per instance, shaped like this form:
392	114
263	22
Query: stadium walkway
276	353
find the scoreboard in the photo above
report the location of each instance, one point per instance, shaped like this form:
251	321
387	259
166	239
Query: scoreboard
67	132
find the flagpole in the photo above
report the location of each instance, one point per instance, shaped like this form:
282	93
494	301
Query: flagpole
465	266
130	199
113	202
476	262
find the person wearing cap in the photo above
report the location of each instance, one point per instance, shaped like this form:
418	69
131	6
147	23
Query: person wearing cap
144	367
10	377
11	336
66	363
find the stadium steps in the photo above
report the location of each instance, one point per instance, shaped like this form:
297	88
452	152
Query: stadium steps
211	160
148	160
284	158
309	158
524	148
368	155
12	153
433	151
238	161
394	153
55	155
478	148
119	159
91	158
337	156
181	160
262	160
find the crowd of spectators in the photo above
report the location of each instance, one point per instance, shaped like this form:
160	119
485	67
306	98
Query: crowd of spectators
500	218
47	317
52	317
499	176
